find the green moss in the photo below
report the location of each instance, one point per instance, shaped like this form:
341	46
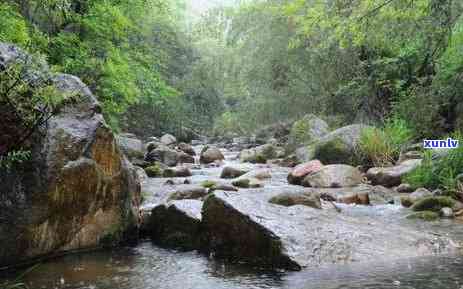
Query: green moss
154	171
208	184
261	159
433	204
406	202
169	173
424	215
242	183
334	152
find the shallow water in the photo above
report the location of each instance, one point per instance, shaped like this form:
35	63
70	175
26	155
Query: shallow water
147	266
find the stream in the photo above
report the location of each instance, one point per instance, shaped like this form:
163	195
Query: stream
148	266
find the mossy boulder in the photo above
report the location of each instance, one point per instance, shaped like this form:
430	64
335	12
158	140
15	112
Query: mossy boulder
306	130
334	151
154	171
339	146
434	204
424	215
260	154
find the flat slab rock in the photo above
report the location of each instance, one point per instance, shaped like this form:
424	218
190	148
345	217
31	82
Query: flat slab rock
246	227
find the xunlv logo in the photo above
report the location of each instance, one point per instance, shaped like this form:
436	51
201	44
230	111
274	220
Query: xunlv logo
449	143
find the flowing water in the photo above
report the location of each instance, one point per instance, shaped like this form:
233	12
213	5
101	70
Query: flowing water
146	266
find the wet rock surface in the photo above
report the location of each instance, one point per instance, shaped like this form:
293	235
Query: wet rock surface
247	227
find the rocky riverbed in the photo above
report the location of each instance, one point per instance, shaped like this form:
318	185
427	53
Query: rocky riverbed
238	239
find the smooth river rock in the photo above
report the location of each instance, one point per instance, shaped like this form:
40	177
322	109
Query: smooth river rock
391	176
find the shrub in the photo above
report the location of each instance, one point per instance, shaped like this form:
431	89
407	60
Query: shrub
441	173
300	131
383	146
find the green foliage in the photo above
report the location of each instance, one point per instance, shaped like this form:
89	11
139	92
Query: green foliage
441	173
13	158
208	184
13	28
383	146
26	105
300	131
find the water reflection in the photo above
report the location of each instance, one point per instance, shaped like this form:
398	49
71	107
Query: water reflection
147	266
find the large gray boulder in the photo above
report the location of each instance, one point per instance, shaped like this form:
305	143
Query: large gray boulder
247	228
168	140
337	147
333	176
77	191
131	146
392	176
163	154
308	129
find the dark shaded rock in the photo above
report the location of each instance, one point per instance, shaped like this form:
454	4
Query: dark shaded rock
176	224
